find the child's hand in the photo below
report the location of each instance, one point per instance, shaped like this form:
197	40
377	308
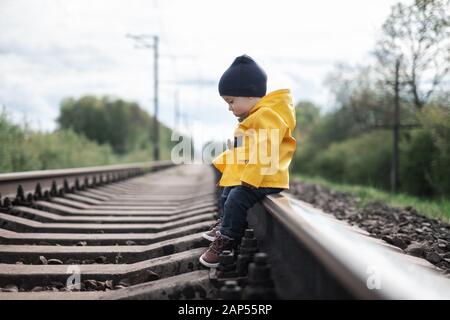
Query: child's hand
229	144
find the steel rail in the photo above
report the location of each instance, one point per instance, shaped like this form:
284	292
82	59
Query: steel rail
39	184
363	266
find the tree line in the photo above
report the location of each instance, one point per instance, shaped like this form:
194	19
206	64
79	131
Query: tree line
354	142
91	131
122	124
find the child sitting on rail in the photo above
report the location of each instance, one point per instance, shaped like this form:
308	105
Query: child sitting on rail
257	163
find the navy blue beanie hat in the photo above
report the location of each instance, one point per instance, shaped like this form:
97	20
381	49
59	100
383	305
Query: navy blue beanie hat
244	78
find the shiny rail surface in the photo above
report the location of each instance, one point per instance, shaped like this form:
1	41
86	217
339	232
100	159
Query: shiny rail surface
322	257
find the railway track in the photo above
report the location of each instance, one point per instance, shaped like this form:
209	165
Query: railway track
140	231
134	232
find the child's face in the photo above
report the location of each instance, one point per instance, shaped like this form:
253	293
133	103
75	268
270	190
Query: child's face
240	106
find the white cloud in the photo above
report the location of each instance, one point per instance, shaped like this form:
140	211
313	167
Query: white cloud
50	49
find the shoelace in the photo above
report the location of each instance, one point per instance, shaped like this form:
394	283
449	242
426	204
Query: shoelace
215	225
217	244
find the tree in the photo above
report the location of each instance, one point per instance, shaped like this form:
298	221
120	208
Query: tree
307	114
417	36
359	96
122	124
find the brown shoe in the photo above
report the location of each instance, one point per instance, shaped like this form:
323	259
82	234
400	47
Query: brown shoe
210	258
211	234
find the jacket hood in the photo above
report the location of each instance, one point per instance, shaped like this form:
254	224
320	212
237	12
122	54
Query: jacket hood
279	101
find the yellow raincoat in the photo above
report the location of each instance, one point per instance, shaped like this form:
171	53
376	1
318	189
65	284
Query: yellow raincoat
263	145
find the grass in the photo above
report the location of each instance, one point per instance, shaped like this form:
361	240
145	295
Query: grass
433	208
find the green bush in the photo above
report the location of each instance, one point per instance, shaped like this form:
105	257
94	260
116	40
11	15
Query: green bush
416	156
437	121
361	160
424	159
23	150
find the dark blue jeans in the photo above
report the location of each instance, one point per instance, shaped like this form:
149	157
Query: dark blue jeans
234	203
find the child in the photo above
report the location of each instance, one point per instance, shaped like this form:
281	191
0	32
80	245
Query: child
256	164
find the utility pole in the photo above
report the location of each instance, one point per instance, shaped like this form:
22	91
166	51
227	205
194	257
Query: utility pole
396	127
155	119
143	44
177	110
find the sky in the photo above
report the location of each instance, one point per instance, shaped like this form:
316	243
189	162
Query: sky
51	49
